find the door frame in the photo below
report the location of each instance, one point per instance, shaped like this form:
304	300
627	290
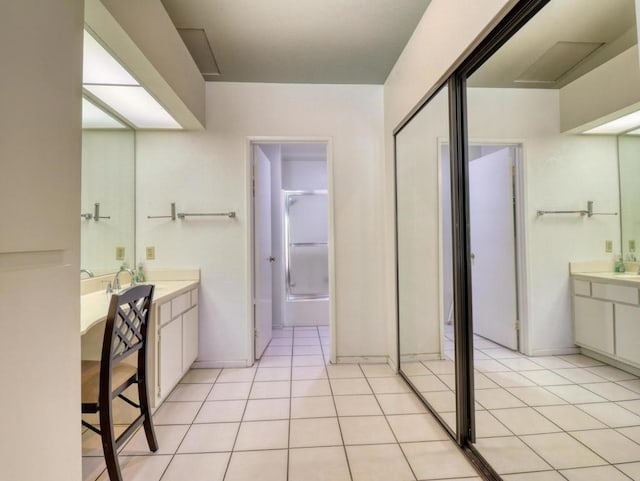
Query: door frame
521	252
249	240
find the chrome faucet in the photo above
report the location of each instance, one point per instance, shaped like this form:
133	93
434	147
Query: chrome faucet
116	279
87	272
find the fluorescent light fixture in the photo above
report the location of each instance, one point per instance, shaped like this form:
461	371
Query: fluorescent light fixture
618	126
99	66
135	104
94	117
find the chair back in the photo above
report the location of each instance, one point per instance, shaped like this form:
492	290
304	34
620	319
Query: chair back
126	326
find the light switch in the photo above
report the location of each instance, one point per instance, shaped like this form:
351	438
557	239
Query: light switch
151	253
119	253
608	246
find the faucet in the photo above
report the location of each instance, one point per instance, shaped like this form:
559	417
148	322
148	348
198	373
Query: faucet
87	272
116	279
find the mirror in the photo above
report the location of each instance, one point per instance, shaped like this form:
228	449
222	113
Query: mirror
108	200
423	210
629	165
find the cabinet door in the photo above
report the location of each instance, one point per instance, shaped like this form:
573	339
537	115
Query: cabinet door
170	356
628	333
593	324
189	338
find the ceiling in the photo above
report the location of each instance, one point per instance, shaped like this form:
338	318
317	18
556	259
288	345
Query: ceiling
301	41
567	39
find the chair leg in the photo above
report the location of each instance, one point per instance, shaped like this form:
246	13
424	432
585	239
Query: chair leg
109	442
149	431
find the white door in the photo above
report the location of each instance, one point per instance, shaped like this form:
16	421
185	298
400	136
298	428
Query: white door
493	257
262	257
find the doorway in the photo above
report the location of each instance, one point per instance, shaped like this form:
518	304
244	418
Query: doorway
291	240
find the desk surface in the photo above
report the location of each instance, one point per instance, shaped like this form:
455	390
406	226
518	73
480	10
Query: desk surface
94	306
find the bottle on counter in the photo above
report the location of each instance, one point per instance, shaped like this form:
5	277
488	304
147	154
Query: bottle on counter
140	273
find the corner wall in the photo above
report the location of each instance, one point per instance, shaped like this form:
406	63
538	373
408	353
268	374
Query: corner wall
40	138
207	171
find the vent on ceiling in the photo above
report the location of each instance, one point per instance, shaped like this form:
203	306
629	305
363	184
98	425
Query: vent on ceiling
557	61
200	49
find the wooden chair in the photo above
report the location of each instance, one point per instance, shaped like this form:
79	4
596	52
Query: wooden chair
125	334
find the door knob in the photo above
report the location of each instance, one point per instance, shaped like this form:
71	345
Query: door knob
272	259
473	256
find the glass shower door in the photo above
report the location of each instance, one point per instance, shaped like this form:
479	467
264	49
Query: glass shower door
306	244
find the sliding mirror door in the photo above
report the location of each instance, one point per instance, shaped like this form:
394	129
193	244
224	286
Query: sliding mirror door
425	293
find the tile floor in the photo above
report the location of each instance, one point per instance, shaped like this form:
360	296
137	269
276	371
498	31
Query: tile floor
545	418
291	417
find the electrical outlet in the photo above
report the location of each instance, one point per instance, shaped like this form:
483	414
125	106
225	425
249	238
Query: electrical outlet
608	246
151	253
119	253
632	245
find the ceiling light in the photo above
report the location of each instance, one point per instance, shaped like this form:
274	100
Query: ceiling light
93	117
99	66
134	104
618	126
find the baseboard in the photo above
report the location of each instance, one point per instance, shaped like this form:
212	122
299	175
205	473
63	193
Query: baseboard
219	364
362	360
557	351
611	361
421	357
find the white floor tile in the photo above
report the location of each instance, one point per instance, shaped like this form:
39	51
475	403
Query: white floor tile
612	391
430	382
341	387
489	365
510	455
273	374
366	430
405	403
268	465
440	367
410	428
509	379
306	341
537	476
274	361
525	420
341	371
190	392
278	351
382	462
270	390
611	414
441	401
633	384
313	387
389	385
221	412
611	373
610	445
318	464
536	396
209	438
487	426
265	409
304	361
244	374
597	473
307	350
562	451
632	470
551	362
141	468
316	432
569	418
437	459
308	373
574	394
377	370
176	413
546	378
414	368
497	399
521	364
312	407
256	435
168	437
579	375
363	405
197	467
92	467
580	360
227	391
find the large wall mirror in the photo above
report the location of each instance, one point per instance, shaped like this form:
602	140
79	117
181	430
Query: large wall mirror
629	165
108	198
423	215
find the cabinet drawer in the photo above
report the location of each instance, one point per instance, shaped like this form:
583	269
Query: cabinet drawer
180	304
628	332
165	313
581	288
593	324
613	292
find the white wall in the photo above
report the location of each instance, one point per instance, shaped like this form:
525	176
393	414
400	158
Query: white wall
304	175
40	134
561	172
447	29
207	170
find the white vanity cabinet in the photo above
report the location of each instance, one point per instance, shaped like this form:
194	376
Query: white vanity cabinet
177	340
606	317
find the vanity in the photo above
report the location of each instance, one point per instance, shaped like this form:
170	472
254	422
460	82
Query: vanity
173	330
606	315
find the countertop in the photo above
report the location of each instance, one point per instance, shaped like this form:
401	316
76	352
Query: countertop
94	306
621	278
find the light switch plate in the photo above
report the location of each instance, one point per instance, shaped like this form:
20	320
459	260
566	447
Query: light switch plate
632	245
119	253
608	246
151	253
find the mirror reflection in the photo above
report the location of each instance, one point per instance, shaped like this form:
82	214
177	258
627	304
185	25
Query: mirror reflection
425	294
629	164
107	212
555	338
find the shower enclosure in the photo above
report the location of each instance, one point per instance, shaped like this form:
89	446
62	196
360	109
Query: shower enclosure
306	256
